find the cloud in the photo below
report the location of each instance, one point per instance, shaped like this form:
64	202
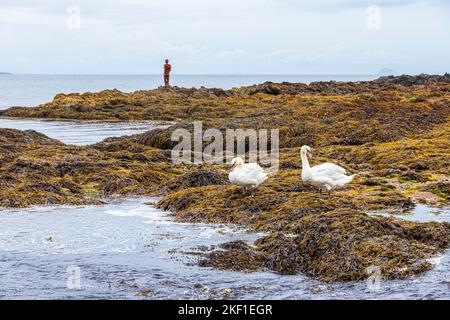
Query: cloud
224	36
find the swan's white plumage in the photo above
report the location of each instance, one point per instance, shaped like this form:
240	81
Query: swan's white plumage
246	174
326	175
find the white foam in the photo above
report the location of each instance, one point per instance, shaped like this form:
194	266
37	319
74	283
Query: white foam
435	260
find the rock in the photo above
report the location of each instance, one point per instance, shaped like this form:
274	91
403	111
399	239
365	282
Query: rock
412	176
198	178
235	255
202	287
407	80
441	189
318	288
145	292
373	182
35	169
225	292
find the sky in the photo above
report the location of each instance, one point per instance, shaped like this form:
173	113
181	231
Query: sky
224	36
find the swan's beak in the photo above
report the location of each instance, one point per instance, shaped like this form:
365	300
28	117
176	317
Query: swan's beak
309	154
231	168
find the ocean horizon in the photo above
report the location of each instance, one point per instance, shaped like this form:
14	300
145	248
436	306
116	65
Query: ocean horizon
33	89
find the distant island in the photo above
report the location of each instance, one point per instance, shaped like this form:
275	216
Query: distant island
5	73
386	72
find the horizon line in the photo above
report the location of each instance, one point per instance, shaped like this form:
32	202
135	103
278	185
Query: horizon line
192	74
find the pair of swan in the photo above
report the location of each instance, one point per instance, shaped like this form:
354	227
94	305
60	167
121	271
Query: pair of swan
326	176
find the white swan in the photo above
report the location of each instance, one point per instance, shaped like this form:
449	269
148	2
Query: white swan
326	176
246	174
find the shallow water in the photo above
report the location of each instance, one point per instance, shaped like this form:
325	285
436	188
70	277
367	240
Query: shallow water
80	132
421	213
127	245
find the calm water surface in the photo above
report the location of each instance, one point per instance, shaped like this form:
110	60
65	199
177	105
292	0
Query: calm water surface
81	132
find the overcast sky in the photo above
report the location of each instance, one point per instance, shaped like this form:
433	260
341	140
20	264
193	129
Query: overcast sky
224	36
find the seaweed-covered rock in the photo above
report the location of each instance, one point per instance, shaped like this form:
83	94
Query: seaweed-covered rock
441	189
340	245
198	178
319	114
407	80
324	237
235	255
159	138
35	169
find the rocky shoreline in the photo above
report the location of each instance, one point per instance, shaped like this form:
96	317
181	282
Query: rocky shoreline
393	131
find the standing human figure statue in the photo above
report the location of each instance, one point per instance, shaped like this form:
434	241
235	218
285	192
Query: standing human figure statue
167	68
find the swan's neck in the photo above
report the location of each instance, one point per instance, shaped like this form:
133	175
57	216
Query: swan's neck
237	167
305	166
305	162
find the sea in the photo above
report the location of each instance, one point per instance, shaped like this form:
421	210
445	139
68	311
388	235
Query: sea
31	90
